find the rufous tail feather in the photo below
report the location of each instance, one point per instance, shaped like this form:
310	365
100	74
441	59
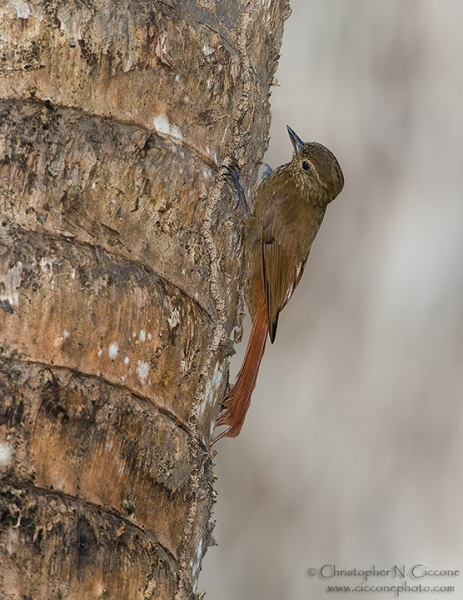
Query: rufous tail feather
239	397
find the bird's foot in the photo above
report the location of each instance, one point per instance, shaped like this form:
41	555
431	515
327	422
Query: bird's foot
233	175
267	171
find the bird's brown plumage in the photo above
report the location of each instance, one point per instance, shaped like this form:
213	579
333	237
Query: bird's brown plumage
287	211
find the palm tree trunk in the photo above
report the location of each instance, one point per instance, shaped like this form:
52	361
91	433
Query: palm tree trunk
120	269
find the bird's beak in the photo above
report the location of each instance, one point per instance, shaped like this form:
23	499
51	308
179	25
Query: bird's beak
296	140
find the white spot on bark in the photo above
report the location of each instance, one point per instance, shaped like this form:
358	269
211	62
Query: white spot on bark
66	334
207	50
46	265
164	127
139	298
161	122
11	282
100	352
22	9
113	350
6	454
149	336
143	370
174	318
126	360
142	335
176	132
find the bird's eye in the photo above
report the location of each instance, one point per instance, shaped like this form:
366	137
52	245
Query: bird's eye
306	166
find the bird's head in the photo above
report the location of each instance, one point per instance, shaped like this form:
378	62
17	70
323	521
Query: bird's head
317	171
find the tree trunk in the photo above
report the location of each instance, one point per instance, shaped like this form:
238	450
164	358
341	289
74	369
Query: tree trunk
120	267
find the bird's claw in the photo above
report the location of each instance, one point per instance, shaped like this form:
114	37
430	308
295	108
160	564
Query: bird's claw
268	170
232	173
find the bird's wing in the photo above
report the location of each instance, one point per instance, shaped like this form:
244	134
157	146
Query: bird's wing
281	257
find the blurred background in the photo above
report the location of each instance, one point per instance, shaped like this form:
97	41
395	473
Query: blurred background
351	452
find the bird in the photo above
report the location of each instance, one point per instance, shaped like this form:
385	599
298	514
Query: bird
286	213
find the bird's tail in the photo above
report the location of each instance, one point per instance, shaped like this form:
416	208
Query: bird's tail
238	398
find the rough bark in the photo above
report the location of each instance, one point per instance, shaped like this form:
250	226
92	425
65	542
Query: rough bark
120	262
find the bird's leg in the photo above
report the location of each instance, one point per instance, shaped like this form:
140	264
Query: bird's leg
233	175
